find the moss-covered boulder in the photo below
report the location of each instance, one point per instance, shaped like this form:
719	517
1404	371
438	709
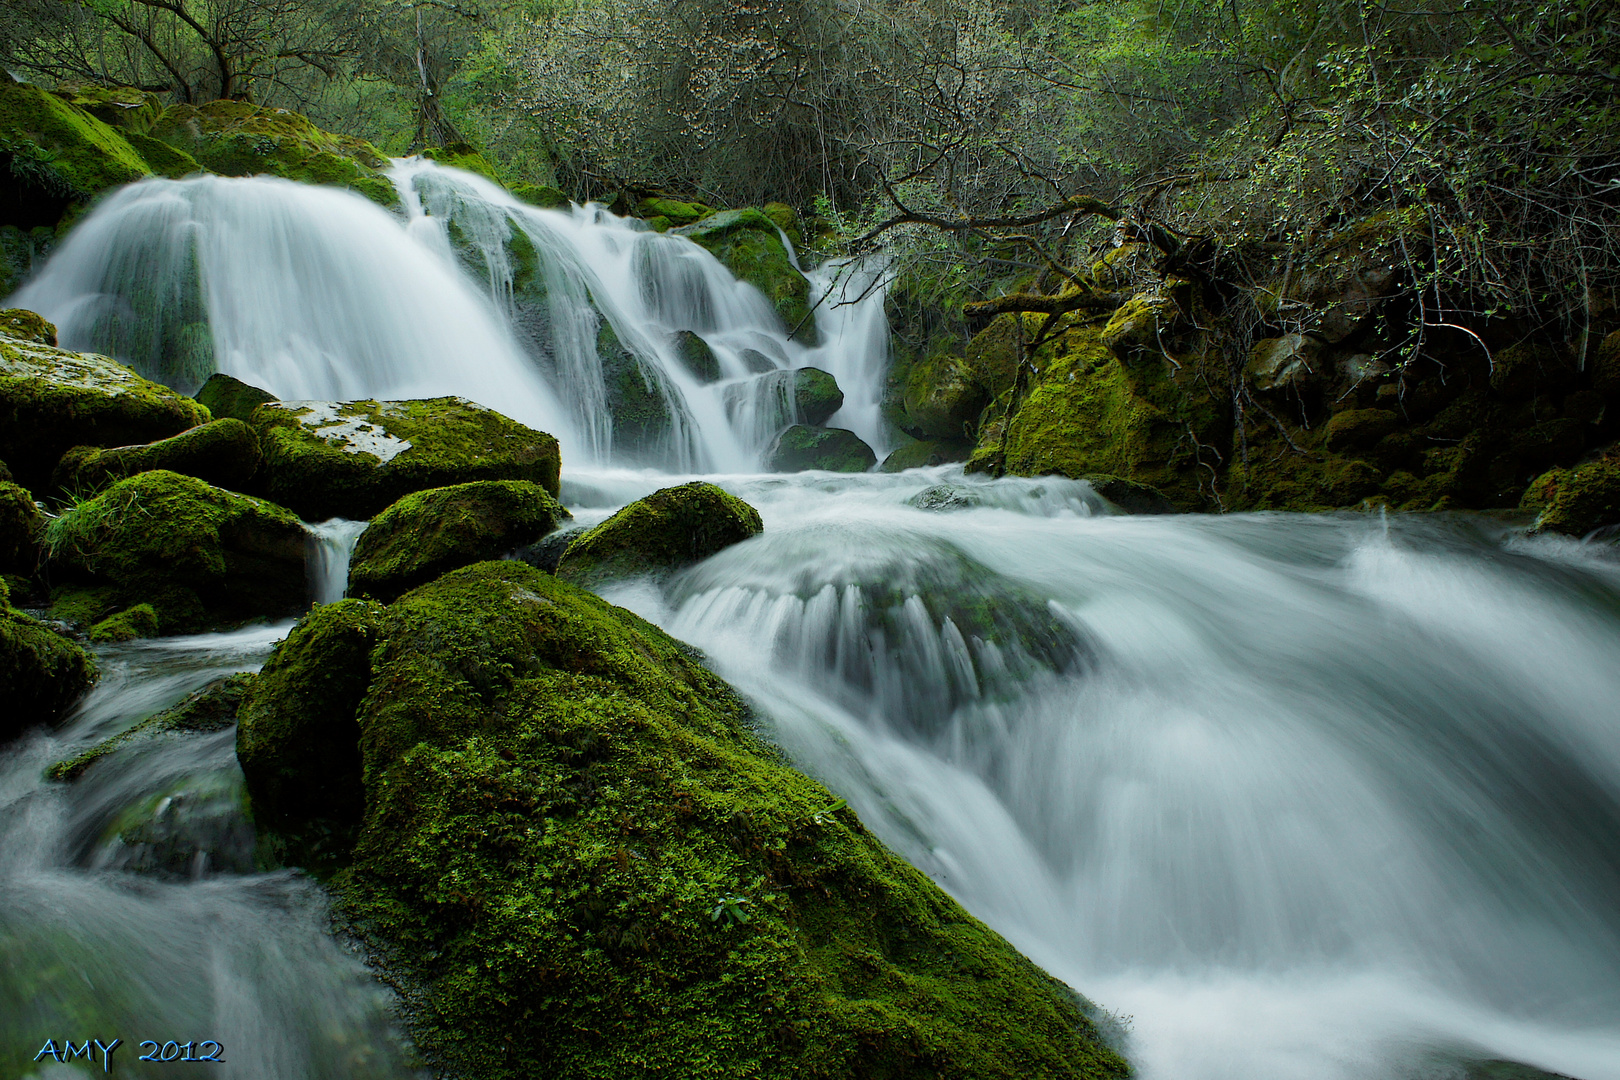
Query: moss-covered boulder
432	532
665	531
21	526
237	138
198	554
352	459
29	326
697	357
53	155
943	398
212	708
635	399
52	400
140	621
816	395
925	453
748	243
994	353
42	672
574	848
464	156
224	452
543	196
802	448
675	211
1578	500
127	108
786	218
227	397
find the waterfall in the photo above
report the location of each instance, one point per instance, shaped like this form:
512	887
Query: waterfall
331	543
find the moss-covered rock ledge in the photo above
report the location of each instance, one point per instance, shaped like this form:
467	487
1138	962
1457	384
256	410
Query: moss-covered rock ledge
579	861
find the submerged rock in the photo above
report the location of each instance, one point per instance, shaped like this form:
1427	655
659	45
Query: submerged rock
52	399
665	531
212	708
228	397
635	398
834	449
942	498
431	532
573	846
351	459
1130	496
224	453
196	553
748	243
42	672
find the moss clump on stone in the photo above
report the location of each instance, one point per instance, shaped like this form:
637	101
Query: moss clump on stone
352	459
746	241
140	621
224	452
212	708
665	531
994	353
236	138
21	525
227	397
697	357
192	551
786	218
42	672
57	154
574	848
674	211
1578	500
432	532
801	447
29	326
816	395
52	399
464	156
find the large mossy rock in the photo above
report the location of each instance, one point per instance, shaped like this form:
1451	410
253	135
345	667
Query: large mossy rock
802	448
432	532
198	554
636	401
53	155
816	395
573	847
925	453
229	397
747	242
42	672
21	526
1576	501
237	138
665	531
224	452
943	398
352	459
52	399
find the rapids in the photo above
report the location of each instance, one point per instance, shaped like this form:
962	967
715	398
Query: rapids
1297	797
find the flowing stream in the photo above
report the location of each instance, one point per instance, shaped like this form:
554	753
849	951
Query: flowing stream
1298	797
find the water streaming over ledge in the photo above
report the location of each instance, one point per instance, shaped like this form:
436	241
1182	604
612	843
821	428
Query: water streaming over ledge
1315	797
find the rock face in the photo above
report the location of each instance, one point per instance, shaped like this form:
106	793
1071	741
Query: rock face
42	672
665	531
834	449
52	399
432	532
225	453
228	397
816	395
748	243
572	844
198	554
352	459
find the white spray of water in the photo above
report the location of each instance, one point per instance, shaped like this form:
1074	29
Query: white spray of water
331	543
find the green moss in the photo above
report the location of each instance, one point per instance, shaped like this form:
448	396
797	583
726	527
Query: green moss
666	530
236	138
1359	429
227	397
223	452
924	453
673	211
541	195
82	606
181	545
942	398
1138	328
1576	501
816	395
60	152
42	672
833	449
163	159
696	355
52	399
140	621
431	532
641	421
21	524
563	813
212	708
746	241
786	218
352	459
21	325
464	156
994	353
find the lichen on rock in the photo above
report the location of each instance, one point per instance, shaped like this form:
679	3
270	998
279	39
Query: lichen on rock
669	529
352	459
429	533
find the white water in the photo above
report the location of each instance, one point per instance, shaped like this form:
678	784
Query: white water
331	544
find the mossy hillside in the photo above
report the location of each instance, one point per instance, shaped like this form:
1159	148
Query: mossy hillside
225	453
198	554
52	400
211	708
57	155
352	459
429	533
746	241
21	526
227	397
800	448
237	138
42	672
1090	412
574	848
669	529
